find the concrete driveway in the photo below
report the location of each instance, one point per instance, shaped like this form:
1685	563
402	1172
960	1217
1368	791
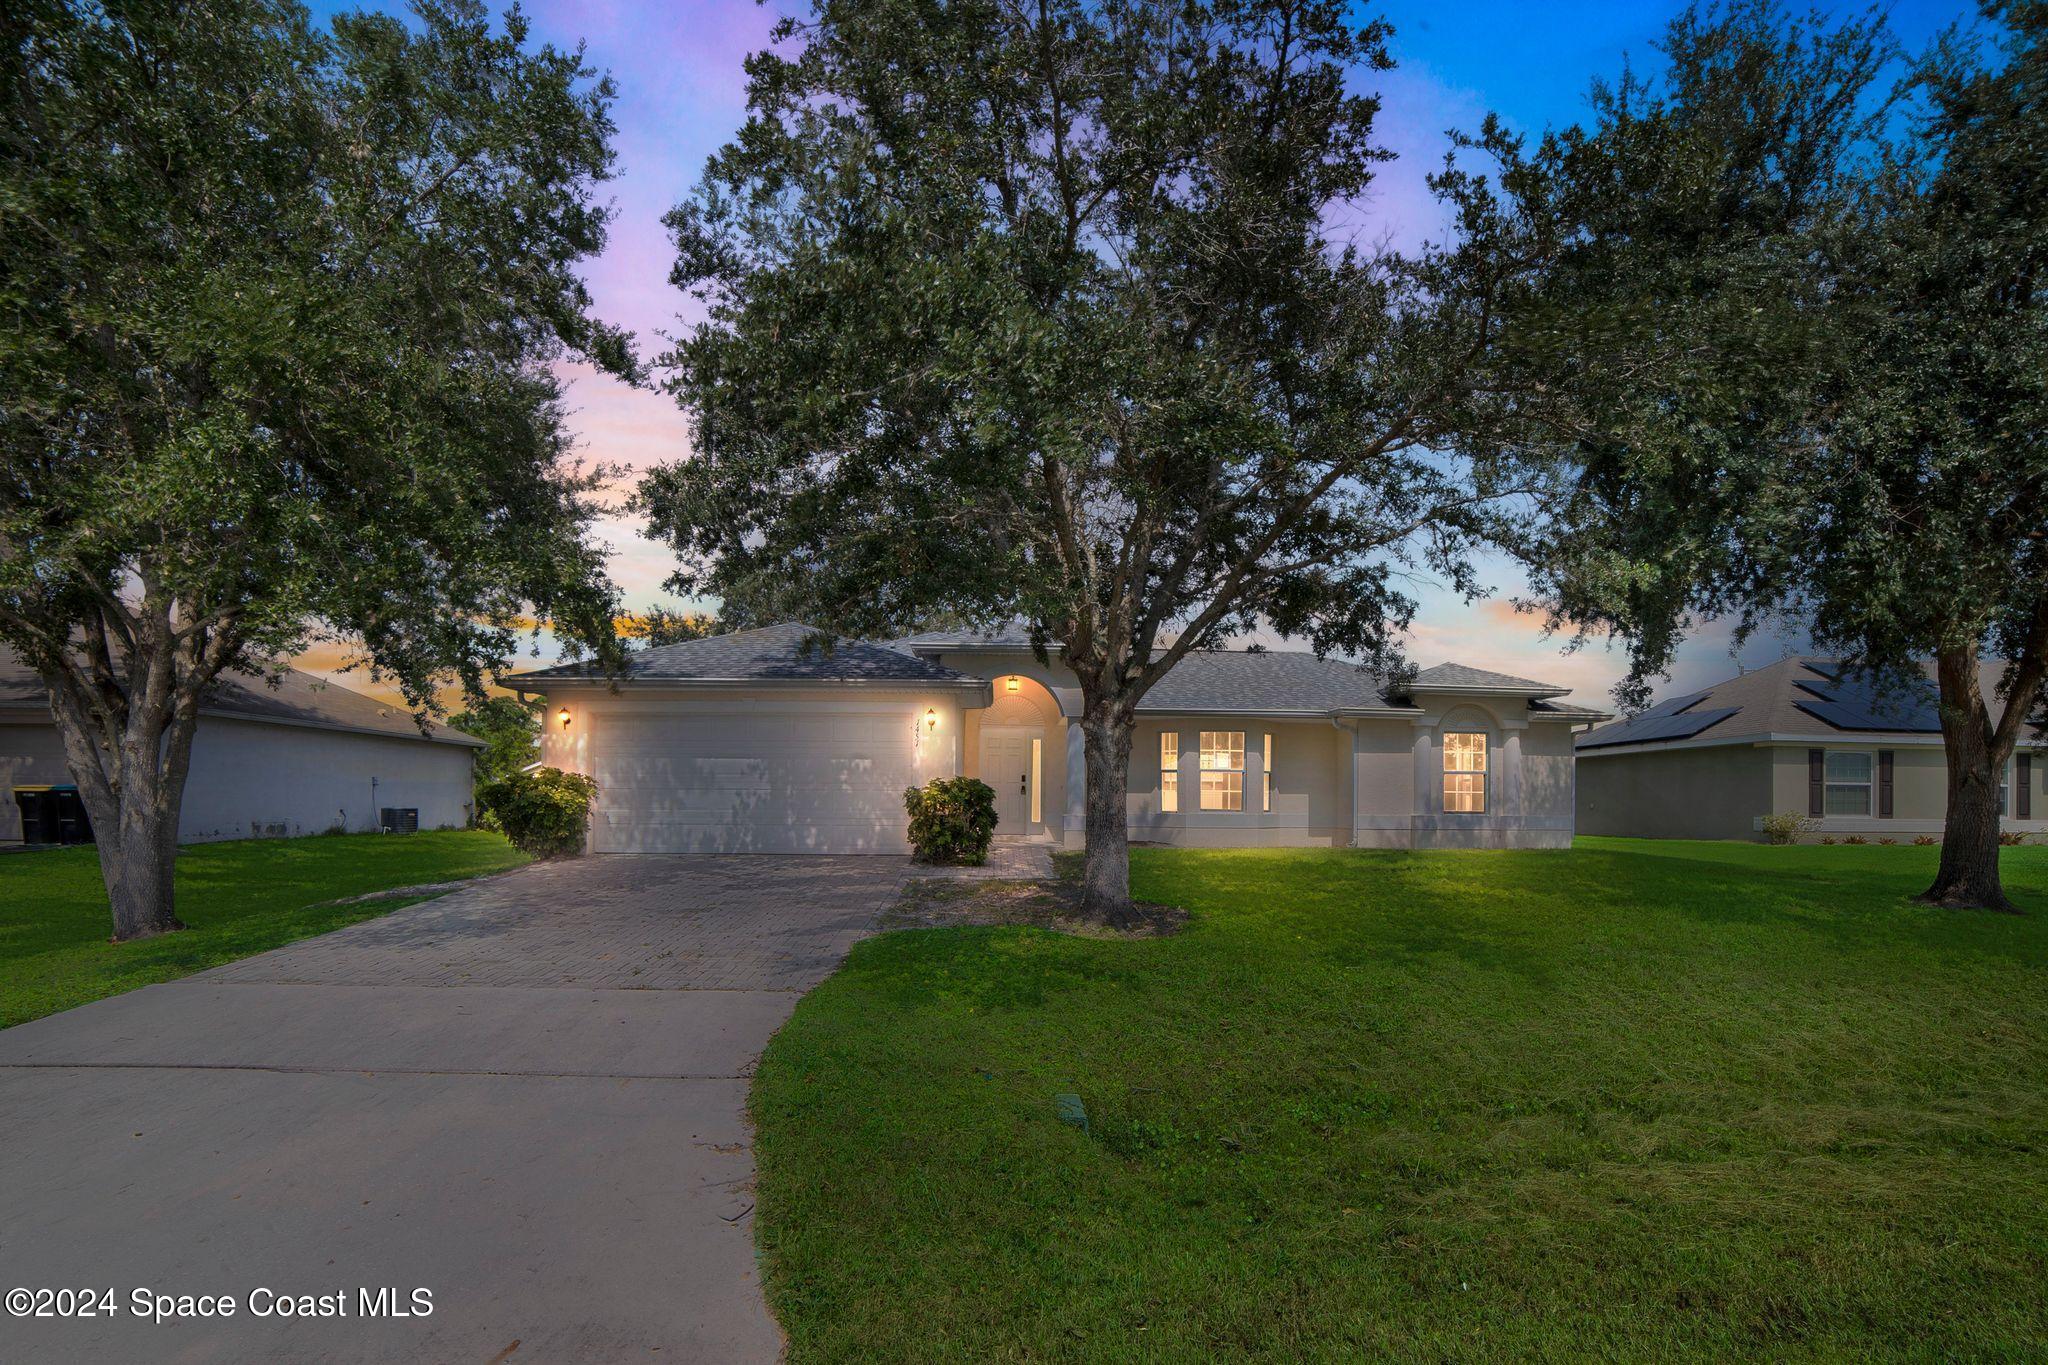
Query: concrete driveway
525	1098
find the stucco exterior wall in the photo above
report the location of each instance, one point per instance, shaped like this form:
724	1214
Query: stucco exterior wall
249	778
1919	792
1549	774
1528	778
1715	793
1031	708
995	663
1383	768
1309	806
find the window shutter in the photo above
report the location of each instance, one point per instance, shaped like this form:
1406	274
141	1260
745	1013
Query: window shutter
2023	799
1816	780
1884	784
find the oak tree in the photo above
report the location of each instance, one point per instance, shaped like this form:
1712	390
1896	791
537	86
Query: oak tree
1803	315
1073	312
283	308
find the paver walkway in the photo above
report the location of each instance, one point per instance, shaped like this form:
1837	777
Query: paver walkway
525	1098
1018	860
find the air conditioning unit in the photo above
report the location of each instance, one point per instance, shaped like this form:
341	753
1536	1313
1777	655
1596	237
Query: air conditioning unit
399	820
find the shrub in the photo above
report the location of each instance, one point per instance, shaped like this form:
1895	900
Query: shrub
1888	841
544	812
2011	838
952	820
1925	841
1828	839
1856	839
1786	827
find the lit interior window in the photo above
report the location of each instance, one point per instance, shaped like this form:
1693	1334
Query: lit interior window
1465	773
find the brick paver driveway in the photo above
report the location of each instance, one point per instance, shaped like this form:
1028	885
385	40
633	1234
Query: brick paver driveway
525	1097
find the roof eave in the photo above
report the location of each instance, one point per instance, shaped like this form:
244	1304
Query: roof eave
1544	693
530	682
1917	739
1052	647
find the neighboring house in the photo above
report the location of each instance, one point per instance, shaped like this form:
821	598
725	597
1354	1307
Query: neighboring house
779	740
303	756
1800	737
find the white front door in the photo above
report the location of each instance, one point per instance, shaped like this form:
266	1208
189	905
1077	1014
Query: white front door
1006	766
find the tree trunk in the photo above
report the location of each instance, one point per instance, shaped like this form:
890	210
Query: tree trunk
1106	731
1968	875
132	784
138	873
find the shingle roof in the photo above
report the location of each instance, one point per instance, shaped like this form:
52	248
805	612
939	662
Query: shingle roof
784	653
1794	696
1459	678
1267	682
1275	681
294	698
1012	636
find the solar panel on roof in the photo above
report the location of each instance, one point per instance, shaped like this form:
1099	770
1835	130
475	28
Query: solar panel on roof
1859	702
1671	707
1649	726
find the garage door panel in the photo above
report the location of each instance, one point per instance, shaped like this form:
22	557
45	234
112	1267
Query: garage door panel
735	784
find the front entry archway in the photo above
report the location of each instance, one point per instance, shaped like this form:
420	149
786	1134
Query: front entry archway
1018	745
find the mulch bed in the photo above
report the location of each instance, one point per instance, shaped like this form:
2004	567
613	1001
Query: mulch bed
932	903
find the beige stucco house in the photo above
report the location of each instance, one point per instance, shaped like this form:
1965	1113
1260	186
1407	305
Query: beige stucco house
777	740
280	756
1802	737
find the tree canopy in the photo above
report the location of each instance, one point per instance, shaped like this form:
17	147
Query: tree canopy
1801	314
510	726
284	313
1037	311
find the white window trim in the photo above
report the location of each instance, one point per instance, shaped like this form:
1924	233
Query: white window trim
1266	774
1481	772
1827	783
1169	772
1203	750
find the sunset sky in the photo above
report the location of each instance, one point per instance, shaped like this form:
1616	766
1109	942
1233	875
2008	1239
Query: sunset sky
682	94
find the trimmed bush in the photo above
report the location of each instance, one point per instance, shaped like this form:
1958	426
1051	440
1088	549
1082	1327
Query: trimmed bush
1787	826
545	812
952	820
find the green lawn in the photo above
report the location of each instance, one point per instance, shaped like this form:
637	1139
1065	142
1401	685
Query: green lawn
239	898
1635	1101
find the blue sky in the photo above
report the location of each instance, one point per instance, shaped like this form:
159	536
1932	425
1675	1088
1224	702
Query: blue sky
682	94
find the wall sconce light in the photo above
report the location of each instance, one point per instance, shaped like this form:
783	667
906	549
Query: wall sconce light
563	716
931	718
1011	684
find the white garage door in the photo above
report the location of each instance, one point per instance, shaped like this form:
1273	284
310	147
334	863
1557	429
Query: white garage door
817	782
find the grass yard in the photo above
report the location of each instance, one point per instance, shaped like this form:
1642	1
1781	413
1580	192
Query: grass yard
238	898
1634	1101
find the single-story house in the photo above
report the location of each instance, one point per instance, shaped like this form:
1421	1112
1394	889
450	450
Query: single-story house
297	756
1802	737
783	740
